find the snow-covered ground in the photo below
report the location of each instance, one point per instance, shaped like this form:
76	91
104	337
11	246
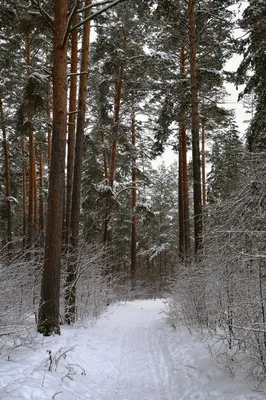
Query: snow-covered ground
129	354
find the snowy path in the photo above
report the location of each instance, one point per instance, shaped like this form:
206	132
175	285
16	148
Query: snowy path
130	354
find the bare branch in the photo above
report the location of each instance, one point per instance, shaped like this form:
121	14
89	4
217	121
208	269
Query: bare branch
69	22
100	3
103	9
47	17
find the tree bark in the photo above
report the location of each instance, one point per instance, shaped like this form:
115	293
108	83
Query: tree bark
31	197
183	140
185	190
71	125
35	194
203	161
134	203
180	199
76	194
118	96
48	321
24	193
105	163
7	177
195	127
41	204
49	136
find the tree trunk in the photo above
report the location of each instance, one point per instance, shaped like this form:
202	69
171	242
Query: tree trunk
7	177
183	139
24	194
195	127
49	136
32	203
71	124
41	204
35	195
48	321
105	164
76	194
203	161
118	96
134	203
31	181
180	199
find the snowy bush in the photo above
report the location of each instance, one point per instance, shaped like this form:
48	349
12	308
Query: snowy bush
225	292
95	288
19	289
20	285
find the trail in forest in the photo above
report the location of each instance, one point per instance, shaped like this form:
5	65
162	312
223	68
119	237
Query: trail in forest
131	353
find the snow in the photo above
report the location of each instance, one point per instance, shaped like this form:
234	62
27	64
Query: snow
130	353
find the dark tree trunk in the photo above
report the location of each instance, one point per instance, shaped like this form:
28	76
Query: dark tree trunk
41	203
48	321
134	203
7	177
76	194
195	127
71	125
184	236
105	163
118	96
24	194
180	199
203	161
35	195
31	154
49	135
183	141
185	190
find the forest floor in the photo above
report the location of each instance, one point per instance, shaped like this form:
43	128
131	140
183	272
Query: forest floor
130	353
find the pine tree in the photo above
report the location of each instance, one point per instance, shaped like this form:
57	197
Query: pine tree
77	173
252	69
227	166
48	320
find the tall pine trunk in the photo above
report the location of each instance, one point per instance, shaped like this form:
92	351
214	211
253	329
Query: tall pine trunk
49	134
76	194
24	194
118	97
41	203
185	190
32	200
7	177
105	163
134	203
48	319
180	198
203	161
195	126
183	155
71	124
184	231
